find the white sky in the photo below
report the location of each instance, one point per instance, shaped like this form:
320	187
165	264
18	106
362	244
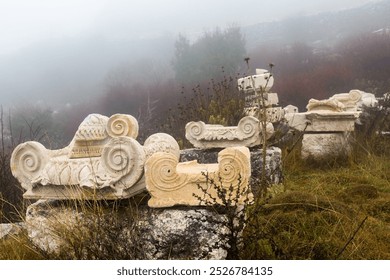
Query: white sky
27	22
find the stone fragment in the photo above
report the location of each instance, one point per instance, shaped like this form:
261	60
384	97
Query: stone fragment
323	121
256	99
290	109
259	102
262	81
274	114
325	145
190	183
161	142
273	164
367	100
337	103
7	230
103	161
247	133
327	123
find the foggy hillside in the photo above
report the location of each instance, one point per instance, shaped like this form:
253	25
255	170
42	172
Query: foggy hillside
67	71
323	29
72	69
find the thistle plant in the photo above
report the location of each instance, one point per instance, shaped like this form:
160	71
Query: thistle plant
227	202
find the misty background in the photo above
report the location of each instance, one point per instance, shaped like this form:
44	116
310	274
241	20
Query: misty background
67	59
61	52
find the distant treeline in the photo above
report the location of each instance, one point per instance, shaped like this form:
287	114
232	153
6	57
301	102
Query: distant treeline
303	72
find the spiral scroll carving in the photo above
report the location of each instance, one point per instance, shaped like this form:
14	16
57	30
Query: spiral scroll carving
355	95
160	172
27	161
234	165
123	157
248	126
122	125
195	130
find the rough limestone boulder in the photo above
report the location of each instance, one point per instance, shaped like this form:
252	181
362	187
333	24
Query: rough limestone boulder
68	230
184	233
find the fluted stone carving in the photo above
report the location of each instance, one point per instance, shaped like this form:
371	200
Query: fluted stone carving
102	161
190	183
247	133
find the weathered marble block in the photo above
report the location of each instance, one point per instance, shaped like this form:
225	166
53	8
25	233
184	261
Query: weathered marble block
327	123
161	142
247	133
272	114
267	99
273	164
262	81
290	109
190	183
338	103
48	221
336	114
103	161
325	145
323	121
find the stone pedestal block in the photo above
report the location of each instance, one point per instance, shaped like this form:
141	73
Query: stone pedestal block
325	145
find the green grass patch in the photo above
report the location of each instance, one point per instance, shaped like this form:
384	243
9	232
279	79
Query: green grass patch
330	211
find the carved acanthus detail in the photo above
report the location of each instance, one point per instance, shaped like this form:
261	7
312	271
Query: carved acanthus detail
172	183
161	142
248	133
